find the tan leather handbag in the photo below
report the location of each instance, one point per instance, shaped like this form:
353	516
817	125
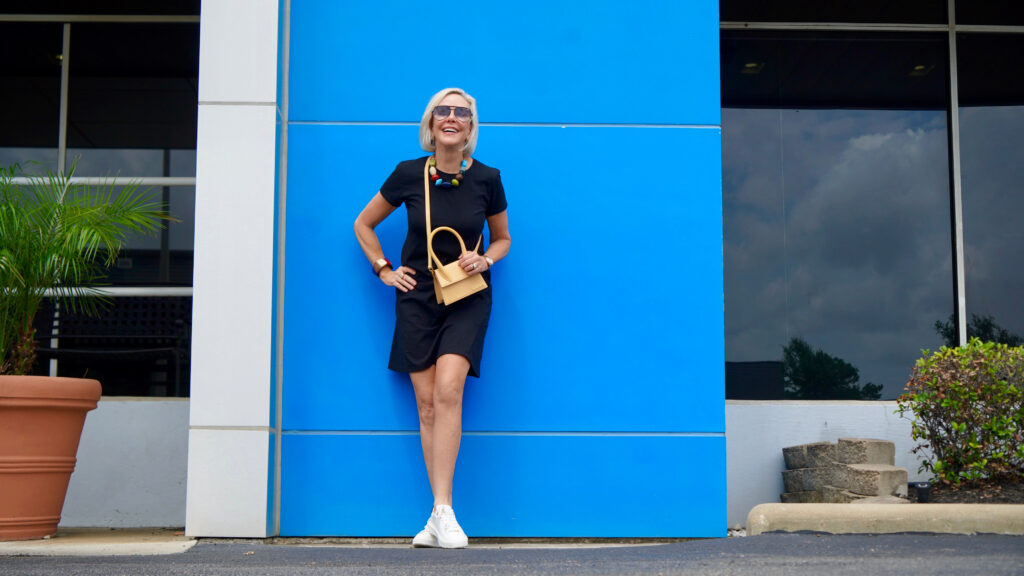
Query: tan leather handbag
451	282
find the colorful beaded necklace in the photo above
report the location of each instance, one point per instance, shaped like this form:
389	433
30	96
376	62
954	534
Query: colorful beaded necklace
439	180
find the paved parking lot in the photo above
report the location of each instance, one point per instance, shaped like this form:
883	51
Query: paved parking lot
769	554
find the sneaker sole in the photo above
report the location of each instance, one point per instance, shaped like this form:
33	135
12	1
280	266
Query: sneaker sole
424	539
452	546
439	544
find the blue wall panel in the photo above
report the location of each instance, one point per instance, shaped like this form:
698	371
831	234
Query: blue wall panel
608	310
602	378
532	485
599	61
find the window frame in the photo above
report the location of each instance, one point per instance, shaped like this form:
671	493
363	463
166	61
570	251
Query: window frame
953	119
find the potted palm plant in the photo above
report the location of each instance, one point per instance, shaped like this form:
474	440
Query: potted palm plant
57	238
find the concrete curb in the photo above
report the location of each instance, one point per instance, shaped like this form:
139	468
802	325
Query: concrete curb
159	541
100	542
887	518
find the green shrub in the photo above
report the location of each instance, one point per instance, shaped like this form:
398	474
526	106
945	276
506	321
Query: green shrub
968	412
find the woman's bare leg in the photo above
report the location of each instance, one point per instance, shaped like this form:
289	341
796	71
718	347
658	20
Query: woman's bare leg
449	382
423	384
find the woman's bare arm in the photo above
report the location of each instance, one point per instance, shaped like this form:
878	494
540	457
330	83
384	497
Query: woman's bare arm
373	214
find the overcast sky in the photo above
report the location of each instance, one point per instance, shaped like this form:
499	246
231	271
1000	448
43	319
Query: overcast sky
837	231
993	179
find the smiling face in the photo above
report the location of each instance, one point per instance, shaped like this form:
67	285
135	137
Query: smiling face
451	132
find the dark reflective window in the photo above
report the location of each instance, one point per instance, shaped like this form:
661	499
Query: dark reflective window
132	111
836	211
137	346
990	12
834	70
992	175
30	97
866	11
132	94
165	257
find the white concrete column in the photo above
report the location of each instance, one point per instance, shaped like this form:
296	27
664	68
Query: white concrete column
230	419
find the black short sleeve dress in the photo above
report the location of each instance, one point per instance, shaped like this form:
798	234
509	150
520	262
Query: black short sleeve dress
424	329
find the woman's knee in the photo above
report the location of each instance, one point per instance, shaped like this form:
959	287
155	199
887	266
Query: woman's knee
425	408
448	392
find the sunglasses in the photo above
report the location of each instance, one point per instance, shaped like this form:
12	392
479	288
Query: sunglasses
461	112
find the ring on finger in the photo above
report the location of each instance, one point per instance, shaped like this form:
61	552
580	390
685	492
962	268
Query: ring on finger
473	266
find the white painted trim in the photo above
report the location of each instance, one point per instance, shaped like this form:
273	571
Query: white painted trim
116	180
983	29
873	27
62	136
282	211
154	291
129	18
235	103
236	428
833	26
958	206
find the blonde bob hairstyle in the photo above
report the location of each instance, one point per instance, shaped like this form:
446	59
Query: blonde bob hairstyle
427	122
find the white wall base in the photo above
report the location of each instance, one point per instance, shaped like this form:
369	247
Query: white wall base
132	461
131	466
228	483
756	432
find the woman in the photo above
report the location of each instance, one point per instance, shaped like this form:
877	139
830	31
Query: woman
440	345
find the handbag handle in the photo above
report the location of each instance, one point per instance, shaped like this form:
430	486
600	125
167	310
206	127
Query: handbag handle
430	246
426	210
430	234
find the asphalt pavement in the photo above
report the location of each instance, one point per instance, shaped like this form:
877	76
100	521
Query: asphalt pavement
766	554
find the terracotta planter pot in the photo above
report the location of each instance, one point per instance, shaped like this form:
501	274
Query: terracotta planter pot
41	421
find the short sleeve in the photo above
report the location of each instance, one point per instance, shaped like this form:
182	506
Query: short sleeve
497	203
396	187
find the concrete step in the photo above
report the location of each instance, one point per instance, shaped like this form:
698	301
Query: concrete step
835	495
813	455
866	451
870	479
806	479
807	497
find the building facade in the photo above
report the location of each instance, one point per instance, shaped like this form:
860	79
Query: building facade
572	410
844	175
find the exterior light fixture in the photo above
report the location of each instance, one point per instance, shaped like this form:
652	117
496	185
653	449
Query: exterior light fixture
922	69
752	68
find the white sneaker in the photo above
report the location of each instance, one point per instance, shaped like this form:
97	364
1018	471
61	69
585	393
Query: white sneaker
424	539
445	528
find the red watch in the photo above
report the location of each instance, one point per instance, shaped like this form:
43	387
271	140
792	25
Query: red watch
379	264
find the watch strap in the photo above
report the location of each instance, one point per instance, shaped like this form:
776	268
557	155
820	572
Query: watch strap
379	264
